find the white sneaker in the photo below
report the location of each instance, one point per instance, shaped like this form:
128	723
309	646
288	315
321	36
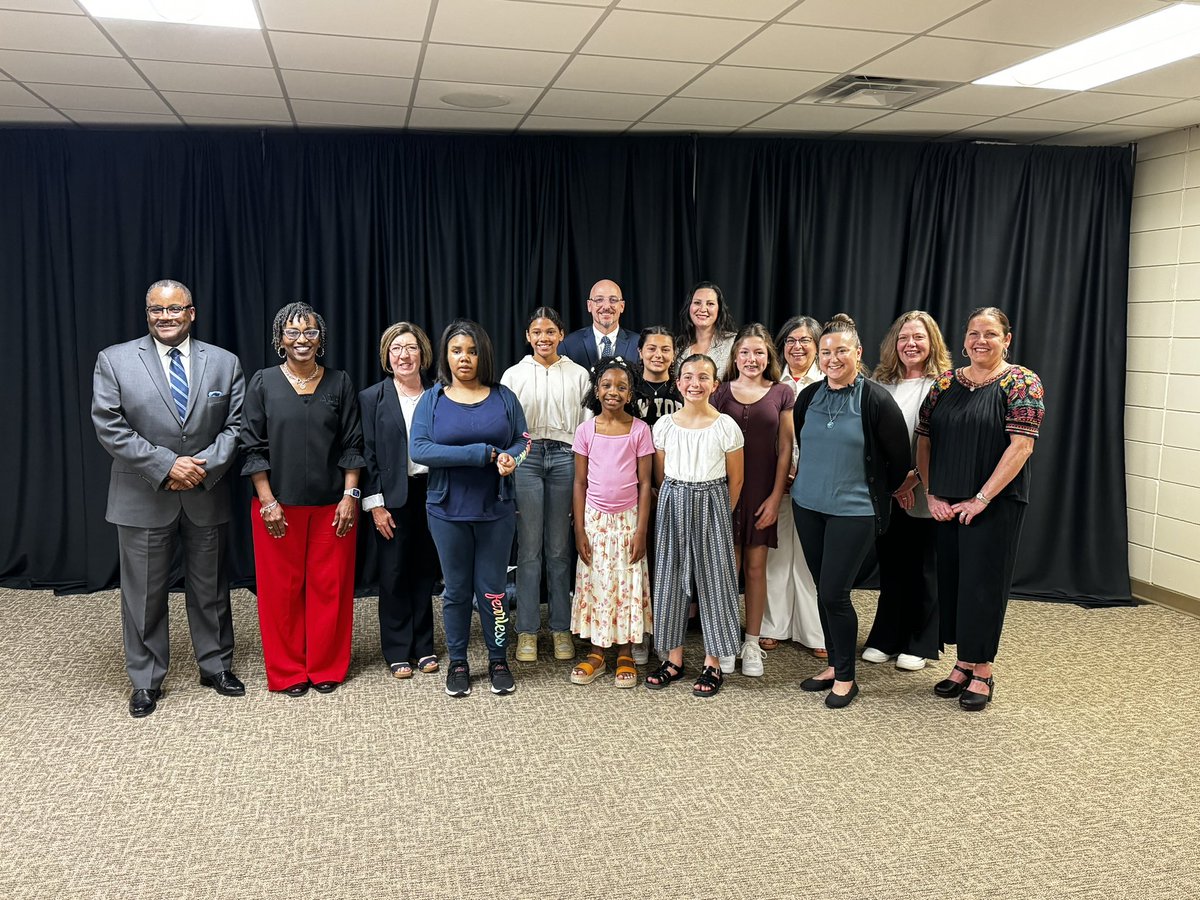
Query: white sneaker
641	651
728	663
909	663
871	655
752	659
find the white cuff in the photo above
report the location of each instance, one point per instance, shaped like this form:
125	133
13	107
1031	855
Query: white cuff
370	503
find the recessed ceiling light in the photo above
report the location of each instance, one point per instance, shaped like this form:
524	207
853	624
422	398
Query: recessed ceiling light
1146	43
226	13
473	100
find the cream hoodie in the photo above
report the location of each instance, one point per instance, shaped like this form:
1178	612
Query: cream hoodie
552	397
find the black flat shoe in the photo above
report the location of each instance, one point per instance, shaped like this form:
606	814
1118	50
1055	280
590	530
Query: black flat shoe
949	688
143	702
224	683
297	690
841	701
326	687
973	701
812	685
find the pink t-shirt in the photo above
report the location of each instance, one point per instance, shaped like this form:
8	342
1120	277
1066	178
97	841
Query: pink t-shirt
612	464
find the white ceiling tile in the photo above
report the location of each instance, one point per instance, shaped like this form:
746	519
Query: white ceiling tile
23	114
325	112
15	95
270	108
1093	108
573	2
877	15
490	65
1177	115
919	124
743	83
102	117
462	120
813	49
664	128
807	117
356	56
1017	130
348	88
1044	24
78	96
986	100
199	78
563	123
626	76
946	59
56	33
366	18
758	10
649	35
69	7
63	68
1178	79
190	43
218	122
430	93
1105	135
502	23
693	111
595	105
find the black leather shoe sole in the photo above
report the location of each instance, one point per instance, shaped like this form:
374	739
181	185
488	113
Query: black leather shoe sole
222	686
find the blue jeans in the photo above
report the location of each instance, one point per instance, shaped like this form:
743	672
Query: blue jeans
545	483
474	559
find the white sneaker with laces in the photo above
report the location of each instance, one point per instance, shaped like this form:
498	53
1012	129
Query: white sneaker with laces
752	659
871	655
910	663
728	664
641	652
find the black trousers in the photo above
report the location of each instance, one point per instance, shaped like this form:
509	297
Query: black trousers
906	620
975	568
408	566
834	548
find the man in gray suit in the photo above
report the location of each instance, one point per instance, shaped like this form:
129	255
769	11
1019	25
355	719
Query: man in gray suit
168	409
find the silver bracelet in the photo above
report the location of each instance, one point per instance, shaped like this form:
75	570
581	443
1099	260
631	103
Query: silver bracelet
263	510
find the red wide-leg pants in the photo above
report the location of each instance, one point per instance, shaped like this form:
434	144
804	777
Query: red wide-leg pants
305	596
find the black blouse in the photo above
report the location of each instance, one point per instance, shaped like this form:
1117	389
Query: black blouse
304	441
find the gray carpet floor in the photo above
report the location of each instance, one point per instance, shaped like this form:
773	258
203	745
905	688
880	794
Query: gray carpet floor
1080	780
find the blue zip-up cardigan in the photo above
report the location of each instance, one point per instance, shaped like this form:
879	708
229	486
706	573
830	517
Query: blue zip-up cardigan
440	457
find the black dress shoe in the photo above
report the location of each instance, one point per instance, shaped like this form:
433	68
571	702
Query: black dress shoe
813	685
949	688
224	683
299	689
840	701
973	701
143	702
326	687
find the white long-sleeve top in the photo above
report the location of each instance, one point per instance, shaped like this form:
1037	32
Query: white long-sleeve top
551	396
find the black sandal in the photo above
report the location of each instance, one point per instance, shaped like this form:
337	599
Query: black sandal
664	675
949	688
710	678
973	701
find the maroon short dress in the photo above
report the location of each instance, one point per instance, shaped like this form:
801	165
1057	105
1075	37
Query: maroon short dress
759	422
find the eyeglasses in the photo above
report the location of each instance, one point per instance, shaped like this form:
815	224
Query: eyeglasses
801	342
292	333
608	299
405	349
171	311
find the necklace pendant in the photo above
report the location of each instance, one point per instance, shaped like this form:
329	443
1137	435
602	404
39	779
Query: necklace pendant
828	424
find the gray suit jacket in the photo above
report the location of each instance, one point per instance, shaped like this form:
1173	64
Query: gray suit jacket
136	422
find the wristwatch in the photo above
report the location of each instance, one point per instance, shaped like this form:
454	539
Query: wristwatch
353	492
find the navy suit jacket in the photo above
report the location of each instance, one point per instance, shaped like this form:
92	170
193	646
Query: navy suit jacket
580	346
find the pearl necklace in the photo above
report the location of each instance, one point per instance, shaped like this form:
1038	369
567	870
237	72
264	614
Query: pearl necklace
296	379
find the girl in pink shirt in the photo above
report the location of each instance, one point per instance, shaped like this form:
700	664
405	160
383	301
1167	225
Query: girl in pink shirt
614	456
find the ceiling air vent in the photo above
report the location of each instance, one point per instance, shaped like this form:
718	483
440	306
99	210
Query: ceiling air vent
875	93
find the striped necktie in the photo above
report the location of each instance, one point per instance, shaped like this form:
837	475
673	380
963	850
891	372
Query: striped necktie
606	347
179	385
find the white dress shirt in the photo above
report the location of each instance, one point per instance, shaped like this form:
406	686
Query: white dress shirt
185	357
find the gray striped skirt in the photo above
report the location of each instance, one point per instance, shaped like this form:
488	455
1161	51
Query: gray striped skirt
693	544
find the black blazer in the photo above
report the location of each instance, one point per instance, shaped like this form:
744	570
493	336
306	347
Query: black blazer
385	444
887	447
580	346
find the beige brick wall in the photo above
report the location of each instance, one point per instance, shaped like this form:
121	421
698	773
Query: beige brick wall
1162	389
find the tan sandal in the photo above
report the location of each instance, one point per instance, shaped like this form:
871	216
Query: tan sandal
626	672
768	643
589	669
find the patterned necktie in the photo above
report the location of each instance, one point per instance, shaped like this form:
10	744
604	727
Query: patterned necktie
179	385
606	347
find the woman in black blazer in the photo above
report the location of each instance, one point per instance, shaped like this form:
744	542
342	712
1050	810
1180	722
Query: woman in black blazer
394	493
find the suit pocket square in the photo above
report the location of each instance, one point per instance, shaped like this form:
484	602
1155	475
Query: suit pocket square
215	394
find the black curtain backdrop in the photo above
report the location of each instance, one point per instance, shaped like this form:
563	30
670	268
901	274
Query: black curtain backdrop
376	228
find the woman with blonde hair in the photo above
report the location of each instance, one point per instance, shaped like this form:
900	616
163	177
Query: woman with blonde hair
911	357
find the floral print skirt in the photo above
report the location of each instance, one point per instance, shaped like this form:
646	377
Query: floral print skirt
612	595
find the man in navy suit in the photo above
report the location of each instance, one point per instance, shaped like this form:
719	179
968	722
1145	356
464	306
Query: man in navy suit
605	336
